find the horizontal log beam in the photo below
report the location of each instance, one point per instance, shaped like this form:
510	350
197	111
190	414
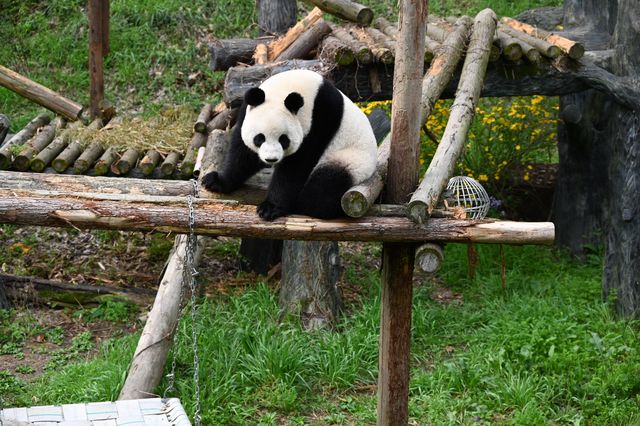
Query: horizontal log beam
228	218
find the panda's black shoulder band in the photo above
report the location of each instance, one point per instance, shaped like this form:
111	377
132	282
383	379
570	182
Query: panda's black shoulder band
294	102
254	96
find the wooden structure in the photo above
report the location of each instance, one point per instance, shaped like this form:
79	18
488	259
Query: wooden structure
356	59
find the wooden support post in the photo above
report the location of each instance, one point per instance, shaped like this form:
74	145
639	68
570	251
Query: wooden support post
402	177
439	172
96	52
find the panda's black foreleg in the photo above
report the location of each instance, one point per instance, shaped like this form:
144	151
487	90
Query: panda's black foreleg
286	183
320	197
240	164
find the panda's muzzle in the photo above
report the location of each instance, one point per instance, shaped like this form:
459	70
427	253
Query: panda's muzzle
271	160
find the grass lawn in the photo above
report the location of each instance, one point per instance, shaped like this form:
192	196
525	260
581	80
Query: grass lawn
542	350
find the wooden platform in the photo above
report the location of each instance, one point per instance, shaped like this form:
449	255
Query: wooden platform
142	412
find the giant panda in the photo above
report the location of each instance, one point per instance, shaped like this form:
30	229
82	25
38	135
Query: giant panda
318	141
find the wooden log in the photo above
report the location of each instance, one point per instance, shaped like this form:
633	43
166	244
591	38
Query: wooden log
545	48
67	157
424	199
51	151
574	49
103	165
431	46
203	118
150	355
276	16
229	53
97	184
436	33
429	257
402	176
229	218
39	94
127	162
345	9
334	51
149	162
357	200
36	144
381	38
198	140
239	79
215	150
279	45
54	293
169	164
5	124
198	164
224	120
96	60
6	155
380	53
261	54
361	51
306	42
89	156
511	47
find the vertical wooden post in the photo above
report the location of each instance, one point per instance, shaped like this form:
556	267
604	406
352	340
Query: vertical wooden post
402	178
105	27
96	52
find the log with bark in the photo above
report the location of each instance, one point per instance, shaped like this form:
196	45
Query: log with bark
223	120
575	50
357	201
511	47
229	53
440	169
306	42
279	45
261	54
126	162
5	124
169	164
334	51
345	9
54	293
431	46
361	51
103	165
545	48
36	144
149	162
230	218
203	118
51	151
67	157
380	53
6	155
276	16
198	140
89	156
39	94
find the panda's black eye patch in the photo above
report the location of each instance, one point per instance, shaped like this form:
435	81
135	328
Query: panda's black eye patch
258	139
284	141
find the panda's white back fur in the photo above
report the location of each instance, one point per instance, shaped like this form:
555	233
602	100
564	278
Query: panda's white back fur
353	147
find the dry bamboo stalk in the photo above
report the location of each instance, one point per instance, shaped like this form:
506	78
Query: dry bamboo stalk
103	165
126	162
203	118
278	46
88	157
361	50
39	94
357	200
545	48
224	217
441	167
51	151
20	138
67	157
149	162
574	49
346	9
170	163
37	144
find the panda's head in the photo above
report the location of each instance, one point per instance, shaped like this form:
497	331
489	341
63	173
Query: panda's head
271	127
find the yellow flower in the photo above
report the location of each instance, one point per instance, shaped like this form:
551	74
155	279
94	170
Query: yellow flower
483	178
517	147
488	120
526	176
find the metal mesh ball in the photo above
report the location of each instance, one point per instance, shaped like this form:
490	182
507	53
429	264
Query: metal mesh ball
470	195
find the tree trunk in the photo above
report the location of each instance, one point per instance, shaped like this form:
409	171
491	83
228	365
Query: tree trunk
276	16
583	187
622	262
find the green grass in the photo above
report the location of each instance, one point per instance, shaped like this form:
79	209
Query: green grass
544	350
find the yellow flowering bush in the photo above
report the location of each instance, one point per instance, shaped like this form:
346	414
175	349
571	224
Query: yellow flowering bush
507	136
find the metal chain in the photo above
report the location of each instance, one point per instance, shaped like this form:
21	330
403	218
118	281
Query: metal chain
189	276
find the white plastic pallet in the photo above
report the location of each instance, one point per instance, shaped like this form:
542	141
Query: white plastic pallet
138	412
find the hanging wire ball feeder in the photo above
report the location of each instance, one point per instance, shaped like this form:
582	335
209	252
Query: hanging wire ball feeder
467	193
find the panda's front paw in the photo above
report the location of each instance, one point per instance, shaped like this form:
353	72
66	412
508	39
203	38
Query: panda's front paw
214	182
269	211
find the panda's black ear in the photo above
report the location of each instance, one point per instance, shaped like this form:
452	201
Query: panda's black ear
294	102
254	96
